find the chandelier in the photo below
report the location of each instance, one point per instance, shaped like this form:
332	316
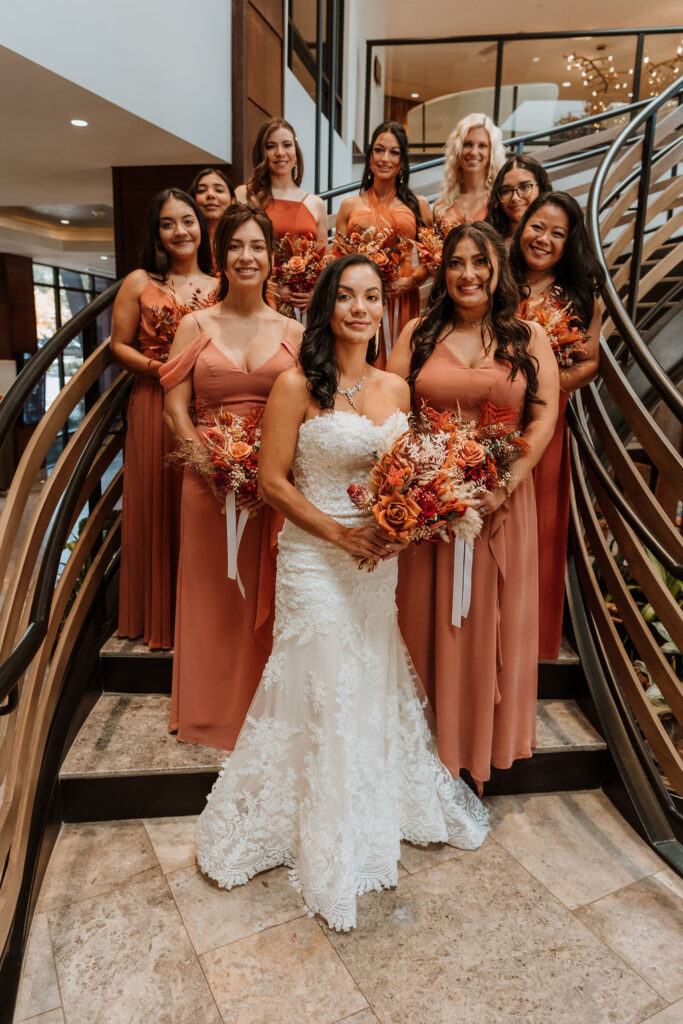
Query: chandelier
604	84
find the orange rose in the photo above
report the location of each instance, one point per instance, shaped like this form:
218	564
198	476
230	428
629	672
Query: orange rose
296	264
212	434
472	453
379	258
239	450
396	514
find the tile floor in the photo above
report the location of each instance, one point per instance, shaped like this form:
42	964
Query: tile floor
563	917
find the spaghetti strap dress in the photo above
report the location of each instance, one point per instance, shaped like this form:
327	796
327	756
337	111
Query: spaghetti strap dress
151	490
401	220
222	640
480	678
290	217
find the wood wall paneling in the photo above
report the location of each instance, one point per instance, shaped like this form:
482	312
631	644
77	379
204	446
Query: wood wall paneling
258	56
17	307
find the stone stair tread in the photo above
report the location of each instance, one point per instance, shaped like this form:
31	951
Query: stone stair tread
126	735
118	647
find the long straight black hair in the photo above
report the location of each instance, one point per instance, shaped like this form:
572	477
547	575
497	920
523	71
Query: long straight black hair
403	190
500	324
154	258
317	356
578	274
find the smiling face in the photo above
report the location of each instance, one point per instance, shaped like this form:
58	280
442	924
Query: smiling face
544	237
476	152
469	277
358	309
280	152
385	158
248	260
179	231
517	192
212	196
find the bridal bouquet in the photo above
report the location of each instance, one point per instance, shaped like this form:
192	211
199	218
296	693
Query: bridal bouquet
297	262
387	250
567	340
429	245
426	487
165	320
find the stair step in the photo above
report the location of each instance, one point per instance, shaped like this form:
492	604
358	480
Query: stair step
124	763
128	666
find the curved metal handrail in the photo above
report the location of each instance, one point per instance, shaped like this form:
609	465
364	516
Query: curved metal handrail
620	318
18	392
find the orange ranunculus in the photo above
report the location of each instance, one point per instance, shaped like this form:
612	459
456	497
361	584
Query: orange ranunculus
239	450
379	258
396	514
472	453
296	264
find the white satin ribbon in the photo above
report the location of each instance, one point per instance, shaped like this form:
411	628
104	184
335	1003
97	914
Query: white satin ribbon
297	313
235	528
390	335
462	581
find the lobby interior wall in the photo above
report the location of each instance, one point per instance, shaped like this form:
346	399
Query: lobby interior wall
163	60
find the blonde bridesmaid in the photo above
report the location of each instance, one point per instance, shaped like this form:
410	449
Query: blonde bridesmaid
470	349
474	155
175	278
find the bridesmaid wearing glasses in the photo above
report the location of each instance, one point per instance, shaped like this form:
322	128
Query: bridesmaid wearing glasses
275	186
386	201
520	180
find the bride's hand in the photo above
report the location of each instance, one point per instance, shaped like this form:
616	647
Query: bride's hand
366	542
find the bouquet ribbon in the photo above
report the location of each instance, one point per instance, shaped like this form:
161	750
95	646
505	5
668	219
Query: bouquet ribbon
390	335
235	529
462	581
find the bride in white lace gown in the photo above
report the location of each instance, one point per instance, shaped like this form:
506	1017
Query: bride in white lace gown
336	762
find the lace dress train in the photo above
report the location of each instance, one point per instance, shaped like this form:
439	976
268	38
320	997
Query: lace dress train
336	762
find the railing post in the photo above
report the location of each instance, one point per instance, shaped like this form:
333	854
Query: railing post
318	90
368	86
332	93
641	217
499	77
637	69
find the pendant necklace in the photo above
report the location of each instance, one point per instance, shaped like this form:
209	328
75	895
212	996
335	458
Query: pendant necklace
348	393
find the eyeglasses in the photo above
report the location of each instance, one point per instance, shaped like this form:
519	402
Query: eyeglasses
523	191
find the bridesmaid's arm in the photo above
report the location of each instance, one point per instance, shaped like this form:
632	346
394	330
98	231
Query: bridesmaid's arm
241	194
125	324
285	411
425	212
319	211
541	418
586	370
341	223
401	353
177	400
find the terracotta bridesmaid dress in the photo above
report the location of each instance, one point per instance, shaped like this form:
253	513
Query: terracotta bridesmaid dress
290	217
151	490
404	307
481	678
453	216
222	640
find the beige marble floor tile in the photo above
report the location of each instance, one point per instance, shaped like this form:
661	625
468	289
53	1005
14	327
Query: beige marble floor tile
672	880
364	1017
173	841
125	957
286	975
215	917
561	724
417	858
50	1017
126	734
478	940
94	858
38	989
672	1015
118	647
576	844
643	923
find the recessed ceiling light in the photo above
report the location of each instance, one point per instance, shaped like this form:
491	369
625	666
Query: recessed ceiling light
566	84
535	59
414	95
104	257
65	222
77	123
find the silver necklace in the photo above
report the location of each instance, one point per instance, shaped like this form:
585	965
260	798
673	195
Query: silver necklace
348	393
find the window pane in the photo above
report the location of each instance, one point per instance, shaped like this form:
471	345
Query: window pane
46	312
73	279
662	63
42	275
72	302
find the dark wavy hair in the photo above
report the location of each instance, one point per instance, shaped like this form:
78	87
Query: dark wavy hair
211	170
259	189
233	218
496	215
316	355
403	191
500	325
577	273
154	257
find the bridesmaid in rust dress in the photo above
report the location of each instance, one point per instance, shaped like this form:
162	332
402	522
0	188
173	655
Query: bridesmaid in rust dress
552	259
474	155
228	357
213	193
275	186
175	278
386	201
469	349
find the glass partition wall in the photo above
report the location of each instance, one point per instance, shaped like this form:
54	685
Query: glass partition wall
526	83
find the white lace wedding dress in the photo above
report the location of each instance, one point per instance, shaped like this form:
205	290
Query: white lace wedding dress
336	762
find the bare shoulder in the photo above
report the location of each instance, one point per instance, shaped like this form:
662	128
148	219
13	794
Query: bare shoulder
241	193
392	387
135	283
348	206
291	386
295	330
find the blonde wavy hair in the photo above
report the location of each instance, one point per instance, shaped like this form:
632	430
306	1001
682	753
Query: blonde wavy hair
452	183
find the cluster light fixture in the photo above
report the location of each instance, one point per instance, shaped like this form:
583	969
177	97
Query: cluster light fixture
605	84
